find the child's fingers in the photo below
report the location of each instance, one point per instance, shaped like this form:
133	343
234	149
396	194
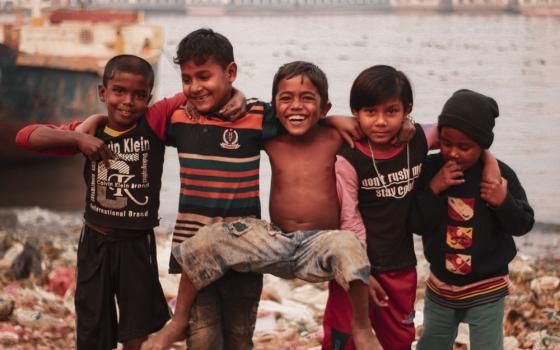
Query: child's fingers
348	139
358	134
377	301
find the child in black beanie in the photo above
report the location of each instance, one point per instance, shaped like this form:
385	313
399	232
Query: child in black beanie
467	226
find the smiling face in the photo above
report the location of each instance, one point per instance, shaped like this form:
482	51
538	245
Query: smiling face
457	146
382	122
208	86
126	96
298	105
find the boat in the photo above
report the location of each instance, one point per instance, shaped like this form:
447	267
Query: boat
282	7
539	7
51	65
165	6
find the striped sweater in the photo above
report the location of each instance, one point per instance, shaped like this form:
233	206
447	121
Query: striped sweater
219	167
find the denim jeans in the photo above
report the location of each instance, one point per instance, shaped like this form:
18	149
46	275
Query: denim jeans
252	245
224	313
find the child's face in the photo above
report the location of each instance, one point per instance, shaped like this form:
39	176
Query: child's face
298	105
457	146
126	96
382	122
207	86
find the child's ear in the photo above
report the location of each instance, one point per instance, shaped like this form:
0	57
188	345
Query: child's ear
231	72
101	92
325	110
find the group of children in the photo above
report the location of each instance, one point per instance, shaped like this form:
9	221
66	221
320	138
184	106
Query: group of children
340	213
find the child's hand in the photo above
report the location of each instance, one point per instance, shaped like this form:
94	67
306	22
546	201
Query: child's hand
347	127
191	111
406	133
449	175
377	293
235	108
93	148
494	192
92	123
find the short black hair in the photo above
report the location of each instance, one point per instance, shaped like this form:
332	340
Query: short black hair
306	69
129	64
202	44
379	84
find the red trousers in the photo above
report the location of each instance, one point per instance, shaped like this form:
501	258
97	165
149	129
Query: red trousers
393	325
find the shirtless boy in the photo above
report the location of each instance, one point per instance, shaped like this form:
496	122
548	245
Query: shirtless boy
303	204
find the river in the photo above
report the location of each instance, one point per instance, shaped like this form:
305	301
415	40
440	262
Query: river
514	59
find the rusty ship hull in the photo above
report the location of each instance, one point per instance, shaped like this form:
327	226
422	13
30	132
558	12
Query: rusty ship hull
49	72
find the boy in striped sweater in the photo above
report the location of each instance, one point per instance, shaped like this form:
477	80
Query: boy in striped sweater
304	240
467	227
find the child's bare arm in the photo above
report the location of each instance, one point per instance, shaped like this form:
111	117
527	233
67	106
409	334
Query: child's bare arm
491	170
347	127
92	123
514	214
45	138
235	108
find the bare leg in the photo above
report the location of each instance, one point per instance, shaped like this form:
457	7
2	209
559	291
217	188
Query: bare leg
362	332
175	329
134	344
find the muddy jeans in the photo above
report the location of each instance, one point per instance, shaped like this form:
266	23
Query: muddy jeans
224	313
258	246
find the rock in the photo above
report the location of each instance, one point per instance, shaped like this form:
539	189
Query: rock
170	285
463	335
8	338
28	262
545	284
11	255
288	310
511	343
545	290
6	308
520	270
36	320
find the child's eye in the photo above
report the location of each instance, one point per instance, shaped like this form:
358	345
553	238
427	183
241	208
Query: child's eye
284	98
187	81
118	90
369	110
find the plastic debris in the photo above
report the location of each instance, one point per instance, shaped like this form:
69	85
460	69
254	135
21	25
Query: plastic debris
37	312
62	280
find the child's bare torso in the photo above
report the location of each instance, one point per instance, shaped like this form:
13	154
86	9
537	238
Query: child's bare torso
303	189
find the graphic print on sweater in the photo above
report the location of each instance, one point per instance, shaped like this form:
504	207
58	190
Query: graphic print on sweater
460	264
460	209
459	237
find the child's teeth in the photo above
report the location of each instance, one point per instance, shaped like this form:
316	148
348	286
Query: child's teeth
296	118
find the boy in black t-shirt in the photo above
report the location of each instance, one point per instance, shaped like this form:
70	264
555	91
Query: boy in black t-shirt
116	252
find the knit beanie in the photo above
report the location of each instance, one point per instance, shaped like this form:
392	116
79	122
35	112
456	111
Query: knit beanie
471	113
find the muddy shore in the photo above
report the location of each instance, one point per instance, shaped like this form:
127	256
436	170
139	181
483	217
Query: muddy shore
37	264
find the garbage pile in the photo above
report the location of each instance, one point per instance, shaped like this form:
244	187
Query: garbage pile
37	282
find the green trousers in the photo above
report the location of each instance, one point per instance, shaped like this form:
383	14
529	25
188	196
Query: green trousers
441	324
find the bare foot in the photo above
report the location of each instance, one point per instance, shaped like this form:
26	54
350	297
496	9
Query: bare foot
365	339
165	337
